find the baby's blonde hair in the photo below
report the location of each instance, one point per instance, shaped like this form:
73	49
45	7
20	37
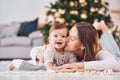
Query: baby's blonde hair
57	26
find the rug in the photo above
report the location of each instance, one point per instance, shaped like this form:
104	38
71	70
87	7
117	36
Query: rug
5	74
4	65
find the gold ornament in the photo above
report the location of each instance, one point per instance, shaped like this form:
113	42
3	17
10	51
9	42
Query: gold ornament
60	20
96	1
82	1
72	3
76	3
57	15
103	9
53	10
74	12
61	11
96	9
83	16
83	4
73	21
103	2
50	18
101	12
92	9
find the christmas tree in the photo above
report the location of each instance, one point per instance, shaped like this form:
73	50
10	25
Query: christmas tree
71	11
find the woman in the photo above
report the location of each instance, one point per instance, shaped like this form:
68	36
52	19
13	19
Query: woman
83	41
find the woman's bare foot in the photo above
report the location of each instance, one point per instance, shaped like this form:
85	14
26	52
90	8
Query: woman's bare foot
11	66
103	26
96	25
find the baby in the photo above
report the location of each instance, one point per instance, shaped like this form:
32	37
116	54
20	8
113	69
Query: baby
54	54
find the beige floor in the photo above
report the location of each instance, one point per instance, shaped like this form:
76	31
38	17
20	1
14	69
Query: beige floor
47	75
3	65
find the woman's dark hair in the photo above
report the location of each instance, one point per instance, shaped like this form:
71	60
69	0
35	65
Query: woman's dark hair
88	36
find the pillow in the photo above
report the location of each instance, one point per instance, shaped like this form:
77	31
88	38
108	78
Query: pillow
27	27
15	26
2	27
7	32
35	34
10	31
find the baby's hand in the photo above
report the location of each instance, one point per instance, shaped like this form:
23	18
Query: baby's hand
40	56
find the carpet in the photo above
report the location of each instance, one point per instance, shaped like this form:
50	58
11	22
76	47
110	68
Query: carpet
5	74
3	65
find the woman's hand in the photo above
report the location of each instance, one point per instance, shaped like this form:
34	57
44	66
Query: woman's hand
71	66
67	66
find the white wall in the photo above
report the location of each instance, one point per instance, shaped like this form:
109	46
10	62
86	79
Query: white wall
115	11
22	10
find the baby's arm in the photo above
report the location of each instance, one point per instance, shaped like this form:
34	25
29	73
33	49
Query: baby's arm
49	65
49	57
36	54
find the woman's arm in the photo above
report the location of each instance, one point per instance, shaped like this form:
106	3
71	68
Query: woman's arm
105	61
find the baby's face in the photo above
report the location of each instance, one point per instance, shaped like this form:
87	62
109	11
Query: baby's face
57	38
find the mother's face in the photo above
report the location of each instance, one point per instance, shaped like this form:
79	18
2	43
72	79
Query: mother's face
73	42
